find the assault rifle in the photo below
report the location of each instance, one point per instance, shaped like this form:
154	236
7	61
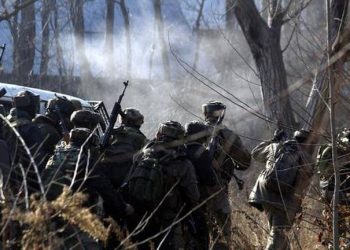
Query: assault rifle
113	118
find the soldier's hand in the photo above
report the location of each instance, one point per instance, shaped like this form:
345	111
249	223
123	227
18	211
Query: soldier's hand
215	164
129	210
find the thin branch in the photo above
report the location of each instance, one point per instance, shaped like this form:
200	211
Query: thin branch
7	15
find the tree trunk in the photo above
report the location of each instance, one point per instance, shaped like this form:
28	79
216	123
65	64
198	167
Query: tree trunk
26	44
62	71
125	14
230	16
160	30
264	43
317	118
45	38
77	17
110	11
198	36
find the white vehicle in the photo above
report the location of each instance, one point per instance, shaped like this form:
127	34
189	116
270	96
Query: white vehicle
45	95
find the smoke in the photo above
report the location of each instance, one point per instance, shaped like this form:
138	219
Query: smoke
180	98
223	58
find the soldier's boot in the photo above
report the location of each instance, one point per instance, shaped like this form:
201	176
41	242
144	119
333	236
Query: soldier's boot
278	239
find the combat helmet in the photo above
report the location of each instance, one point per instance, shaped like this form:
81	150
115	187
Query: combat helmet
196	129
85	119
170	130
132	117
213	110
65	107
27	101
301	135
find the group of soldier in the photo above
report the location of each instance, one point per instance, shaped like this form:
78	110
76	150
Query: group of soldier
194	164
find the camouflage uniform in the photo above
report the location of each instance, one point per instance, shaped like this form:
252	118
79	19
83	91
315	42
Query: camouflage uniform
229	155
326	172
50	123
21	174
178	169
74	164
198	237
281	209
26	105
127	140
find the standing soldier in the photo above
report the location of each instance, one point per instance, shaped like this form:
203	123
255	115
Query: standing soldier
27	157
281	201
127	140
74	164
325	168
163	176
196	136
229	154
55	124
26	105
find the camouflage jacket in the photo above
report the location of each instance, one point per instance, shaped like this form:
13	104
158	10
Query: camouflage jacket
76	167
265	153
231	153
33	139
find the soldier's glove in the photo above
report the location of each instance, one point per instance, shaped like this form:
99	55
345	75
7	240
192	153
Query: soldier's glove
279	135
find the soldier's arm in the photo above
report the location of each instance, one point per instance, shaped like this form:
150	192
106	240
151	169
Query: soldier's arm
235	148
260	152
324	159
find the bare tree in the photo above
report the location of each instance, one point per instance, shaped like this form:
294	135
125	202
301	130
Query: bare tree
45	37
77	17
198	36
157	6
24	60
109	42
17	7
125	13
264	38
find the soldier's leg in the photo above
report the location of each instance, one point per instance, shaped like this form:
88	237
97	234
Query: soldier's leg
279	224
222	216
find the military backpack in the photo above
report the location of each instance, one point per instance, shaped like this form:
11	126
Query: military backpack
281	176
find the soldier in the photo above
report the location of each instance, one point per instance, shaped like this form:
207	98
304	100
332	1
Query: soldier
229	154
22	176
172	176
326	171
281	207
74	164
127	140
26	105
196	135
55	124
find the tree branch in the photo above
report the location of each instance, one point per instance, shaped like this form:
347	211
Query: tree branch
7	15
296	12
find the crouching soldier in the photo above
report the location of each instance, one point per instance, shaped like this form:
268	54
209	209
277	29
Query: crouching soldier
283	184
